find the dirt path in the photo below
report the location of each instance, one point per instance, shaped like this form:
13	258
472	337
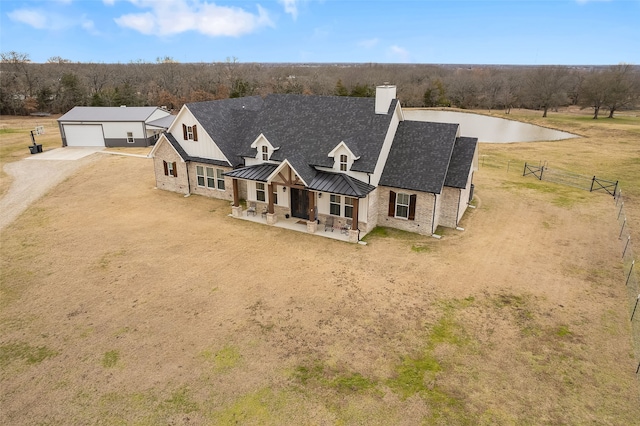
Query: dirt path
31	179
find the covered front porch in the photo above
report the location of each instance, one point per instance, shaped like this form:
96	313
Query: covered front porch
277	196
301	225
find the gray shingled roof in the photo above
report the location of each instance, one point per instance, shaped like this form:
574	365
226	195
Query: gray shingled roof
461	160
224	121
307	128
420	156
108	114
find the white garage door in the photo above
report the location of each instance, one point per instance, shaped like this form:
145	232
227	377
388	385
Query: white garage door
84	134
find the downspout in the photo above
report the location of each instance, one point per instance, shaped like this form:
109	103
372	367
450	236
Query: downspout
458	209
433	219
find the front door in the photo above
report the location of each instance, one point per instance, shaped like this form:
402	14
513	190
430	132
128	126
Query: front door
300	203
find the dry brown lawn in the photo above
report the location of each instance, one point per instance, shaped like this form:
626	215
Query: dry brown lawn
122	304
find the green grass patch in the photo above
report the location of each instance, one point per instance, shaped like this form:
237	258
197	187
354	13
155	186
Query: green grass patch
7	131
263	407
223	360
413	373
317	374
23	351
563	331
420	248
180	401
110	359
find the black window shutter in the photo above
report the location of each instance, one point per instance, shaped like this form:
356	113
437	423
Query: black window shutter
166	168
175	169
184	131
392	203
412	206
195	133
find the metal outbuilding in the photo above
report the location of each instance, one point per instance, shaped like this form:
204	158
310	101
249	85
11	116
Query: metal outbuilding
113	126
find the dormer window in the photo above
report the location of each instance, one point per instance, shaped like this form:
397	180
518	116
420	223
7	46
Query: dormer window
265	153
343	157
343	163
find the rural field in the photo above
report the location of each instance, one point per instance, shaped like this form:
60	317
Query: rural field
123	304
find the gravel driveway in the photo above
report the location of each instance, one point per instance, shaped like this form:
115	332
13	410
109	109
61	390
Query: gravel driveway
34	176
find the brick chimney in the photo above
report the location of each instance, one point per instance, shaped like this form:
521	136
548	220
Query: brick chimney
384	95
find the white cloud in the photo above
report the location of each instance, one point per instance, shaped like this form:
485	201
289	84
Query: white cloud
290	7
398	54
170	17
34	18
369	43
41	20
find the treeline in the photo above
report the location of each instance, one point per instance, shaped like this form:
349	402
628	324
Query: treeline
59	84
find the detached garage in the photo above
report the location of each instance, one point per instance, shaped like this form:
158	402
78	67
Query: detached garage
113	126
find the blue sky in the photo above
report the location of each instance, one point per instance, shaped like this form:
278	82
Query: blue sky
520	32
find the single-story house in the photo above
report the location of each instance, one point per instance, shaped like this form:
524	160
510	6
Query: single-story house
344	161
113	126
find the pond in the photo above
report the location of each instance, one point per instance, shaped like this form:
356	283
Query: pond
489	129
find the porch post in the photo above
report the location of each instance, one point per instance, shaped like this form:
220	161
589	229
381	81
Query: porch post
236	198
270	189
353	232
312	225
356	203
236	208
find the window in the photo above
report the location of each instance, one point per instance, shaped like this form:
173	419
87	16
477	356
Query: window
170	169
260	194
212	177
265	153
190	132
334	205
130	137
348	207
402	205
275	194
343	163
200	174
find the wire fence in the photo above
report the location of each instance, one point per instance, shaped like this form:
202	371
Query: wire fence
631	281
631	268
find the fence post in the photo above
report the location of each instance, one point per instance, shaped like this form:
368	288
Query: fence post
541	171
630	270
619	194
620	212
625	246
592	182
524	172
622	229
634	309
614	189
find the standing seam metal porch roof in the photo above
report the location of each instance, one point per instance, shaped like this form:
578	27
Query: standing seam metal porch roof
335	183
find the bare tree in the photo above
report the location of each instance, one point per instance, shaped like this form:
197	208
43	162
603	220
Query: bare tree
593	92
546	87
621	91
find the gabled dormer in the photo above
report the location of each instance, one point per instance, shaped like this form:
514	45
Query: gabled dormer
264	148
343	157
